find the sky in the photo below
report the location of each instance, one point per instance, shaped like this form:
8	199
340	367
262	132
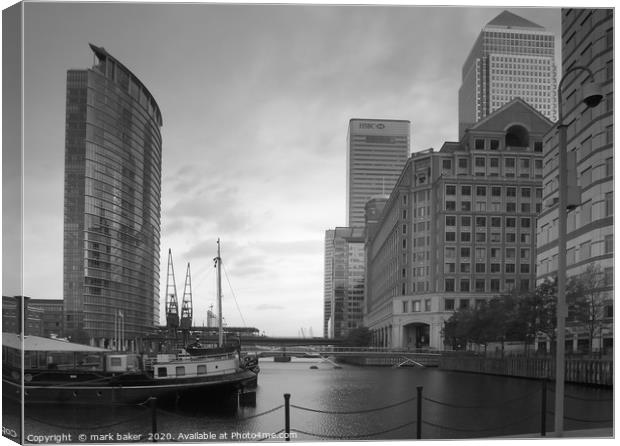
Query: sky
255	100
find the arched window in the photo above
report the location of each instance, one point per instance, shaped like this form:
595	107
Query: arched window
517	136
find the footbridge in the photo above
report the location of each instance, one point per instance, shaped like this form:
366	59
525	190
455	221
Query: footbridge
350	355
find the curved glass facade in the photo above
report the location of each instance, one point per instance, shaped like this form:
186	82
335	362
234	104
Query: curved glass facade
112	204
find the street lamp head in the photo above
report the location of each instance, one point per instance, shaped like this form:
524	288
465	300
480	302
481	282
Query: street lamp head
592	94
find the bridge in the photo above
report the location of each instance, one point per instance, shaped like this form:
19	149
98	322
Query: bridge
351	355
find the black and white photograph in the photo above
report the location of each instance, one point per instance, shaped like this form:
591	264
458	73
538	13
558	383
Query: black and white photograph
307	222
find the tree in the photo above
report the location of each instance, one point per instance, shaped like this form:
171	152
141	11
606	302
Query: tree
586	301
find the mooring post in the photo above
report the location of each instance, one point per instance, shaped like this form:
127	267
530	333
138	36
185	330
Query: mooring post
419	415
153	404
287	416
543	409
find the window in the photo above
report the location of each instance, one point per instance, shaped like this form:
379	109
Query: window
450	205
465	220
511	222
511	253
524	284
449	303
465	251
466	237
449	286
481	267
481	191
466	190
450	236
180	370
525	268
481	222
427	305
509	163
449	267
609	276
450	253
526	192
496	222
481	237
450	220
495	267
162	371
609	243
510	268
496	191
465	206
511	237
450	189
447	164
463	163
405	306
538	146
464	287
480	161
495	285
494	144
511	191
525	222
202	369
480	285
479	144
609	204
115	362
496	237
494	162
465	267
416	308
524	163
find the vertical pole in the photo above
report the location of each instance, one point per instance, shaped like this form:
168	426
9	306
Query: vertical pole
543	409
561	304
153	404
219	296
419	415
287	416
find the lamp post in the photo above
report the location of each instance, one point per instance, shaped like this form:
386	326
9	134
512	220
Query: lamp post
591	97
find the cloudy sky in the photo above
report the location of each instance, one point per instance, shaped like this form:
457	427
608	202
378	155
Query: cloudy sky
255	102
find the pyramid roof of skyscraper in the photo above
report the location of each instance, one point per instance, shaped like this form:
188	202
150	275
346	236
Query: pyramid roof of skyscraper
509	20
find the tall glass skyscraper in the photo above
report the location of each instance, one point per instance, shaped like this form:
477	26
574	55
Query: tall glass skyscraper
511	58
112	204
377	152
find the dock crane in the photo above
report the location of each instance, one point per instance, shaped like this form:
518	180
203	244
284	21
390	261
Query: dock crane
172	304
187	308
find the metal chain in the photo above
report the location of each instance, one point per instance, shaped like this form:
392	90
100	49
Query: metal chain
335	412
343	437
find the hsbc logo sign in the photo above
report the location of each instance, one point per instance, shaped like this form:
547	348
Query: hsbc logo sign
370	125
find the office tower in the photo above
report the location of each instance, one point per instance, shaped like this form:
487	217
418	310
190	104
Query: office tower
377	151
511	58
112	204
587	41
459	228
344	281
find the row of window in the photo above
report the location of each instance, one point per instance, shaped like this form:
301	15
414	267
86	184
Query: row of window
416	305
484	285
481	206
495	268
493	191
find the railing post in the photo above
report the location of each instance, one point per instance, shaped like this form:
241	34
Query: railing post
153	405
419	415
543	409
287	416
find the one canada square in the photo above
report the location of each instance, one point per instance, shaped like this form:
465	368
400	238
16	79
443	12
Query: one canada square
112	204
512	57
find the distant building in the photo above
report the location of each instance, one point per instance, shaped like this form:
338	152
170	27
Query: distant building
345	281
377	152
511	58
458	229
43	317
587	40
112	204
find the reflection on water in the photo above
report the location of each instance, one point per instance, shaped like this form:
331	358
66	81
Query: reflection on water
351	402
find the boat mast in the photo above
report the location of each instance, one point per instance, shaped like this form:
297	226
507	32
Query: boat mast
187	309
218	264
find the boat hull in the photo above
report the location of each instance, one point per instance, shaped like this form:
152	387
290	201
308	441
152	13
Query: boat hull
129	392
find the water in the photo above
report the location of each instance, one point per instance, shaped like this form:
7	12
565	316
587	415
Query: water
454	405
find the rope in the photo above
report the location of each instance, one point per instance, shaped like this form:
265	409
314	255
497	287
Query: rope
500	405
261	414
341	437
335	412
587	399
587	421
234	297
